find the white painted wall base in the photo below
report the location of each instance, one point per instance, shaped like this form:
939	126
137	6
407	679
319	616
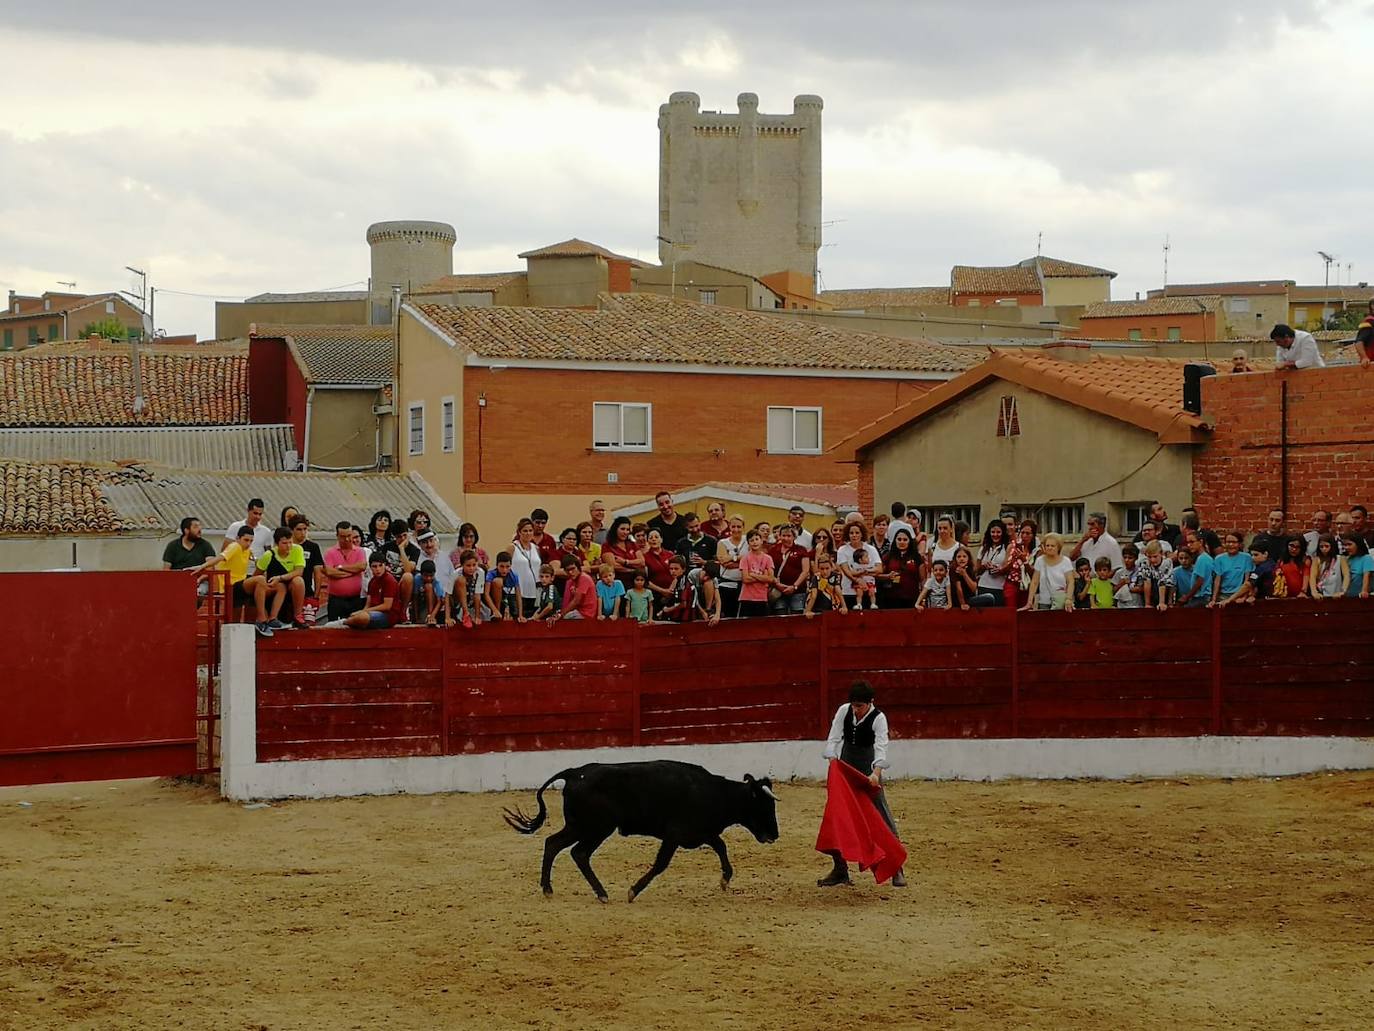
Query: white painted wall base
243	778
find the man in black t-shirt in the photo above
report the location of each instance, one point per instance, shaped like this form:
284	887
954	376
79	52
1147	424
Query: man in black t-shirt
671	526
1272	540
696	546
314	558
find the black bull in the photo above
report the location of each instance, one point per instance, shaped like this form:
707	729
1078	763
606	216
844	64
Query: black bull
682	805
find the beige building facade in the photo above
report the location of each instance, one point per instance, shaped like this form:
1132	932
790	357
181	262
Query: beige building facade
740	190
706	284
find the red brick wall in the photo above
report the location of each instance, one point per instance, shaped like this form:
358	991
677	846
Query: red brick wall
866	490
990	300
536	429
618	276
1202	326
1239	476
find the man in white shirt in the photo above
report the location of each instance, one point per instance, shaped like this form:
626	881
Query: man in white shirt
1097	542
899	523
859	736
1295	349
262	533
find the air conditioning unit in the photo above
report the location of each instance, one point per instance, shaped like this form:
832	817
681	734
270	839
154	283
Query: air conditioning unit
386	461
291	460
381	409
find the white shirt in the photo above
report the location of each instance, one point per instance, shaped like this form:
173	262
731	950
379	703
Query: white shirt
803	536
1053	578
443	566
262	537
867	554
1304	352
835	742
1105	545
525	565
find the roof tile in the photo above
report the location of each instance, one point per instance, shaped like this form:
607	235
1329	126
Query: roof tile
994	279
1151	306
338	354
887	297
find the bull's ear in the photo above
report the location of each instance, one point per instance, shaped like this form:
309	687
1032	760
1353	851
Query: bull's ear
748	778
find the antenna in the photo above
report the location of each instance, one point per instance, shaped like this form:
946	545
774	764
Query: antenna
1166	259
1039	239
1330	260
70	284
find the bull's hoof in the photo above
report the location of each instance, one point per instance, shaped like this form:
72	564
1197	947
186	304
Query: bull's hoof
725	884
548	891
631	896
602	899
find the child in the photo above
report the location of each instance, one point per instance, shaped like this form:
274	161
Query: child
1082	584
1159	571
1132	585
935	591
1262	578
1358	562
548	600
866	581
466	593
1188	585
503	591
756	567
964	588
639	599
707	600
609	592
823	591
1330	572
431	594
1101	590
681	601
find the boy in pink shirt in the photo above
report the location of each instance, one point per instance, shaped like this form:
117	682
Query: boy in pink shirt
756	567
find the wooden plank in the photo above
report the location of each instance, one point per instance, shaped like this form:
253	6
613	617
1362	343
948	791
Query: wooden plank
1300	709
1114	728
705	698
1314	693
1300	652
975	722
1118	709
885	680
525	668
870	629
706	655
541	742
472	705
779	730
1255	673
952	655
679	636
461	727
327	749
289	695
349	679
1084	645
1299	727
1193	685
349	730
1034	624
716	723
941	695
1062	672
671	682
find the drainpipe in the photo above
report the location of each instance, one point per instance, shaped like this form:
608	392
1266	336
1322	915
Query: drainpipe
1283	445
305	444
137	372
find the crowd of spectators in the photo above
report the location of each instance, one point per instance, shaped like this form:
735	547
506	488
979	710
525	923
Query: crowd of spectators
679	567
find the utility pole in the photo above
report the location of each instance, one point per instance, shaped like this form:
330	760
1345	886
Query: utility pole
1166	260
142	295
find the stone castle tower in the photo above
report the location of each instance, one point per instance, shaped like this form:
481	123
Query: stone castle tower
742	191
406	255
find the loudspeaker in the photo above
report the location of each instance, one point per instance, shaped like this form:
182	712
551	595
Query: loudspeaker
1193	374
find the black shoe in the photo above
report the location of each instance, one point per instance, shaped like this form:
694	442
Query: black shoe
835	878
899	879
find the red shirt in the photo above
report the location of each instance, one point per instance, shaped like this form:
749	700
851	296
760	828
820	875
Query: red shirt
548	547
629	550
656	566
908	588
581	595
788	567
379	589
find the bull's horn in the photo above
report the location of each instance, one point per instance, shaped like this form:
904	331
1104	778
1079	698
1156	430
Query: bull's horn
769	792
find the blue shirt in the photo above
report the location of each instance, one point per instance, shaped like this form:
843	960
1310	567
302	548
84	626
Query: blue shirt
508	586
610	594
1359	565
1185	578
1231	571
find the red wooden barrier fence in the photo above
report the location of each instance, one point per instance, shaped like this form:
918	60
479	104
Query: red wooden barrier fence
1286	668
97	676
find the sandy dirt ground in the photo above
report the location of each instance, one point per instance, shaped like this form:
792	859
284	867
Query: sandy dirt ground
1039	905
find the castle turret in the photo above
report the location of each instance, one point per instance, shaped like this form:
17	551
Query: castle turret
740	190
406	255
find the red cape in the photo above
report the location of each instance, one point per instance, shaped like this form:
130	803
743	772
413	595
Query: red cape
853	826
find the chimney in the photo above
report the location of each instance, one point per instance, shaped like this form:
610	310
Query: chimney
137	373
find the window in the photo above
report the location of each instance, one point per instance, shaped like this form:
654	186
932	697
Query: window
1238	304
707	297
622	426
1175	332
1065	520
417	428
1006	302
974	302
1132	515
33	335
1300	316
1008	421
446	417
54	330
794	431
971	514
109	307
9	340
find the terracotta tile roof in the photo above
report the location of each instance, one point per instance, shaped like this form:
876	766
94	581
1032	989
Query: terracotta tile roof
653	329
1347	294
1058	268
92	385
54	497
1145	392
469	282
831	495
1253	288
576	248
887	297
994	279
309	297
1151	306
338	354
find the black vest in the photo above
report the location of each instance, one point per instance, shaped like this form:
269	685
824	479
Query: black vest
859	734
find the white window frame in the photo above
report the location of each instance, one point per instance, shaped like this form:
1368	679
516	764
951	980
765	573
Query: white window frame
1238	305
647	446
448	425
707	297
1300	317
971	514
1065	520
794	409
411	410
109	308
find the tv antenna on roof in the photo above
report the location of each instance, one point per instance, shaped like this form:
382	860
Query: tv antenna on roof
70	284
1330	259
1166	259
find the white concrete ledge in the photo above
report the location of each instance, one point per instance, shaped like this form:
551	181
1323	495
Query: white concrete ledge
243	777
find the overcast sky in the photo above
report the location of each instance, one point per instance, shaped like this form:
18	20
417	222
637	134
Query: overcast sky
248	147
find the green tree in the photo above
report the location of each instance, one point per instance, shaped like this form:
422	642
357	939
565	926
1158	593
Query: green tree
110	329
1348	318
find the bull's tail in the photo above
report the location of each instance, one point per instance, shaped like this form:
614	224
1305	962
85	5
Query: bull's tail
525	824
